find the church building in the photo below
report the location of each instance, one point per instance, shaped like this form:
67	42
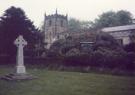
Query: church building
55	28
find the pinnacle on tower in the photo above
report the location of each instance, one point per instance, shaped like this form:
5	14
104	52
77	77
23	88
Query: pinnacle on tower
56	11
45	14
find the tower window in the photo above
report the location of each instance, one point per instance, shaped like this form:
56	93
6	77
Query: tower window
50	22
61	23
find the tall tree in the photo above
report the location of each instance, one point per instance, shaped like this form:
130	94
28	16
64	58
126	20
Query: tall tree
12	24
124	17
110	18
74	25
86	24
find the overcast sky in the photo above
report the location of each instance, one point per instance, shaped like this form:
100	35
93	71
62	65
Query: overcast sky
80	9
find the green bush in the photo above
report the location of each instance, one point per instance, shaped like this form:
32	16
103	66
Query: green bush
77	60
130	47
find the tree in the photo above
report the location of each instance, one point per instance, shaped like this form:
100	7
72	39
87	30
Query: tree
111	18
77	25
74	25
104	40
124	17
85	24
105	20
12	24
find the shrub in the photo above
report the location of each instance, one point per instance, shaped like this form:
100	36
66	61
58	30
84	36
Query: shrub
130	47
131	60
77	60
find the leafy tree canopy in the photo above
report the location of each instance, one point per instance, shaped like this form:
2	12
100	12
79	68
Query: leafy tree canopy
77	25
111	18
74	25
13	23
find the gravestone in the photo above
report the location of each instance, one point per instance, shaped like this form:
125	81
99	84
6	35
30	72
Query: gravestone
20	73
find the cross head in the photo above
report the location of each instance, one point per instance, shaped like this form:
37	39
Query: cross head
20	41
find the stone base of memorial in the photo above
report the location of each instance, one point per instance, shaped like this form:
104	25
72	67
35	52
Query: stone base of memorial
15	76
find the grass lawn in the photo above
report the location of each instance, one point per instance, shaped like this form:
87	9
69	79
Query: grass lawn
67	83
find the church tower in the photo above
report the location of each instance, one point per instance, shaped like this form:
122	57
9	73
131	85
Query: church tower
55	26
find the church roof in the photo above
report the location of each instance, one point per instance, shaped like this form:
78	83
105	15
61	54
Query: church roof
119	28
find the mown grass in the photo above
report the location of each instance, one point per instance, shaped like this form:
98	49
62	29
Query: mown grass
67	83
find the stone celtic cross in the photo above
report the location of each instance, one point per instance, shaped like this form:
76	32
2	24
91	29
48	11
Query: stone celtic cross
20	43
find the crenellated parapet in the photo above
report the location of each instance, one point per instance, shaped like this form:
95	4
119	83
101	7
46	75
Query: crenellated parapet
56	15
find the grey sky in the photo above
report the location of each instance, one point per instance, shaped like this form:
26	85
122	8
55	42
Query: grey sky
80	9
